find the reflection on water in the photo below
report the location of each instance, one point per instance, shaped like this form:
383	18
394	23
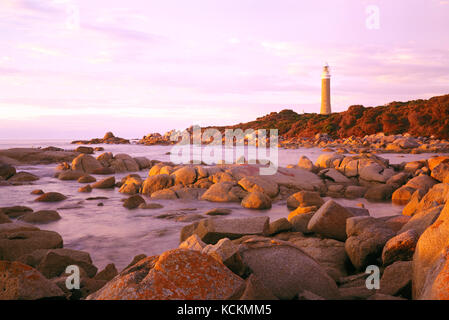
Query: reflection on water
112	233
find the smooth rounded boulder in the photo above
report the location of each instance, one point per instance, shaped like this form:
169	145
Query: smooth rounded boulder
256	200
330	221
178	274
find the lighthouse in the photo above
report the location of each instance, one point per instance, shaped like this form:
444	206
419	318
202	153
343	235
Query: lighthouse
326	90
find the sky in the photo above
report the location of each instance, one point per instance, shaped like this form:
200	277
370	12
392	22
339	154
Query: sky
74	69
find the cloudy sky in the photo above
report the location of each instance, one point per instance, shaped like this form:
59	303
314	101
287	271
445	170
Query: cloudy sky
79	68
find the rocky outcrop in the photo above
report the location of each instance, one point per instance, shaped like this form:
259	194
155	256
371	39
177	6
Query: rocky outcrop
108	138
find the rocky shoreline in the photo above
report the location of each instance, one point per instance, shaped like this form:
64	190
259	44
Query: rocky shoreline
319	251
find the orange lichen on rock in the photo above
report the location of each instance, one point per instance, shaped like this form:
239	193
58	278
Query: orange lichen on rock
176	274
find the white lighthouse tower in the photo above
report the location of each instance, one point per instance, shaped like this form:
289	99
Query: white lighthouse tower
326	90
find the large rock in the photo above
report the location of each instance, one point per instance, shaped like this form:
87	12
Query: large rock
131	185
4	218
285	269
422	220
223	192
18	239
178	274
422	182
143	162
133	202
43	216
15	211
260	184
329	253
441	172
397	279
374	172
330	221
86	163
402	195
379	193
129	162
23	177
436	196
400	247
156	182
21	282
431	260
256	200
329	160
53	263
212	230
306	164
106	183
304	199
366	238
7	171
51	197
185	176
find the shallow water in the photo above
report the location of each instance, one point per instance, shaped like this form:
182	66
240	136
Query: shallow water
112	233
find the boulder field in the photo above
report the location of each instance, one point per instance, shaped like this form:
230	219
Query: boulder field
320	250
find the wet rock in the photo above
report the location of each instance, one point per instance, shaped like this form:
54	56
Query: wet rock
256	200
43	216
86	189
51	197
86	179
366	238
23	177
21	282
176	274
156	182
86	150
7	171
304	199
218	212
397	279
212	230
150	206
133	202
107	183
285	269
254	183
37	192
86	163
70	175
400	247
15	211
330	221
